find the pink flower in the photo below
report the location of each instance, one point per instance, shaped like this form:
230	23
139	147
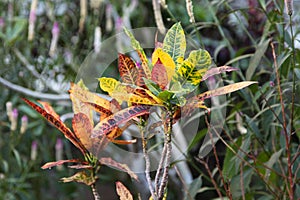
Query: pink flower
14	119
24	124
33	154
55	35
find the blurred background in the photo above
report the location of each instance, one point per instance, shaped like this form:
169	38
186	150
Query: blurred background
45	42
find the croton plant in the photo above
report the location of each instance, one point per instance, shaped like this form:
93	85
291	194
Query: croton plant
163	82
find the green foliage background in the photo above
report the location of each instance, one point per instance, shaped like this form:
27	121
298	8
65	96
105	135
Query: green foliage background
236	33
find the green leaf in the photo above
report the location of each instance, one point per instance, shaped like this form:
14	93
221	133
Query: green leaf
152	86
13	34
174	42
256	58
193	188
165	95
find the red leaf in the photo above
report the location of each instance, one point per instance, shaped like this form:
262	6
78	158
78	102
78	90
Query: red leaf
159	74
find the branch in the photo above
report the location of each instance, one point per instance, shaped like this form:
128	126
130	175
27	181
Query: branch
32	93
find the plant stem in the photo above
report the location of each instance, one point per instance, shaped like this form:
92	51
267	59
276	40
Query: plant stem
95	193
168	146
287	139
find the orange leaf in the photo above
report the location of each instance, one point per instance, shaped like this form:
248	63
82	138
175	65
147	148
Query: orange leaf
48	108
127	69
159	74
60	162
82	128
123	192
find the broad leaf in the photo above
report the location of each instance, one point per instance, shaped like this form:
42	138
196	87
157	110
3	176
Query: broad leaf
152	86
82	127
166	60
113	121
80	177
191	70
123	192
108	84
174	42
136	45
159	74
127	69
110	162
58	124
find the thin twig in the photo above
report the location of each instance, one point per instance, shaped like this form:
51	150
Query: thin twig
32	93
242	182
183	183
147	163
287	139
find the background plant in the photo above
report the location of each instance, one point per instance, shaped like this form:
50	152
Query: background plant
236	33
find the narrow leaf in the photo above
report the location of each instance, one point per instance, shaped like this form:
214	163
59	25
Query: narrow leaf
60	162
123	192
136	45
127	69
111	163
174	42
123	116
218	70
48	108
58	124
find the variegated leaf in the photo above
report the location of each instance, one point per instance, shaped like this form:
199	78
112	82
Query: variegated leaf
82	127
159	74
123	192
113	121
127	69
108	84
80	177
166	60
174	42
58	124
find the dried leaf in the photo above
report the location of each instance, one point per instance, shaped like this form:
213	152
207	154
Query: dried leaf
80	177
218	70
114	164
123	192
83	128
60	162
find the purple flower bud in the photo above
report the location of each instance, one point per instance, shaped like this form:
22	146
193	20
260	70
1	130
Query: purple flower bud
24	124
2	23
14	119
33	154
59	151
119	24
55	29
272	84
9	110
138	65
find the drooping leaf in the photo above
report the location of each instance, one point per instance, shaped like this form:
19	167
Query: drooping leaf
137	47
123	192
48	108
58	124
225	89
123	116
61	162
114	164
159	74
218	70
108	84
80	177
127	69
82	127
174	42
166	60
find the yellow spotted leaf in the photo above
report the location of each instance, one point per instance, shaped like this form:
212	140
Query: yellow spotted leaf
108	84
127	69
